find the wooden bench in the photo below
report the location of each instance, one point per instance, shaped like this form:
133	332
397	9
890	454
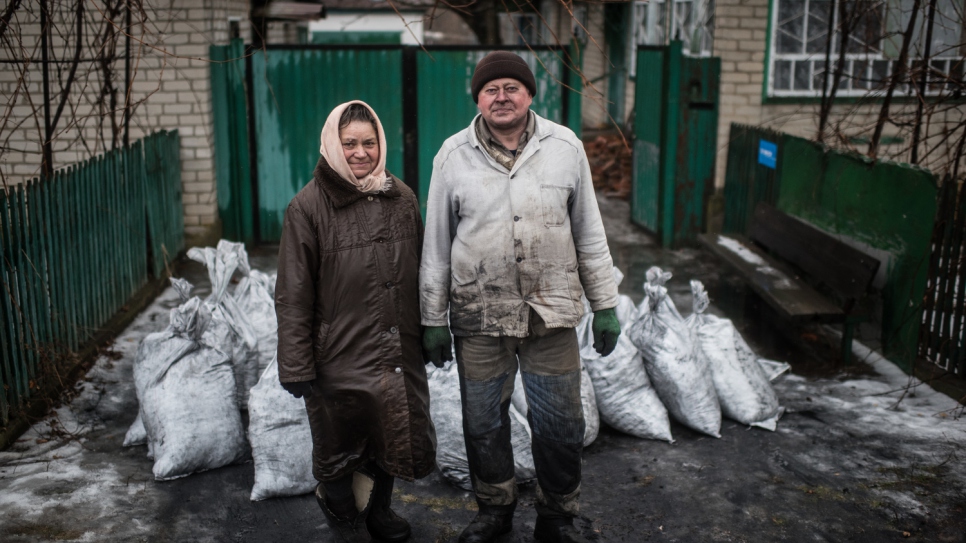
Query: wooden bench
800	271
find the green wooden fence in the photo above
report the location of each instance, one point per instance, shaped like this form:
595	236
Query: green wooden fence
943	326
884	209
74	249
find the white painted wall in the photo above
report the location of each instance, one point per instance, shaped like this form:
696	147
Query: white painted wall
409	25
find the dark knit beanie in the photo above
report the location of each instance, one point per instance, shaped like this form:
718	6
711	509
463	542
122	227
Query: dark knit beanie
500	64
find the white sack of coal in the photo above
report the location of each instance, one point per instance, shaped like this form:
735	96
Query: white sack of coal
446	411
255	297
773	369
625	399
588	401
281	439
136	434
681	378
743	389
230	330
187	395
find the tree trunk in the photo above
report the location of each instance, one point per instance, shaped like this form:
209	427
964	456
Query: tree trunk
483	19
896	78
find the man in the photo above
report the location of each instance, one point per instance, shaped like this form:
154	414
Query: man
513	237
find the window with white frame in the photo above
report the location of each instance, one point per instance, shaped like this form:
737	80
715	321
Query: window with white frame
523	29
800	42
691	21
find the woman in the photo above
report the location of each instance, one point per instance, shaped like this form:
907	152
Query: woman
347	301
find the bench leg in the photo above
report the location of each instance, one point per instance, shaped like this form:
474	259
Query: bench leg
847	342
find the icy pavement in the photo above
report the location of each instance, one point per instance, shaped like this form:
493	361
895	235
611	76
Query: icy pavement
860	456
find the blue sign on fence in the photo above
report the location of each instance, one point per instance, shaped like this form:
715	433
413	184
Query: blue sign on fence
767	154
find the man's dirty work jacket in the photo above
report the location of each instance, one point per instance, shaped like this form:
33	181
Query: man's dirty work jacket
499	242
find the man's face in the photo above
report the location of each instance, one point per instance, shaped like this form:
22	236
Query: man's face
504	103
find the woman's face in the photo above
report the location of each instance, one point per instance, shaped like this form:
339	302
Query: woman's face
361	147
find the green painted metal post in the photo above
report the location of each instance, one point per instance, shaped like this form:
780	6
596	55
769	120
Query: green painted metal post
669	169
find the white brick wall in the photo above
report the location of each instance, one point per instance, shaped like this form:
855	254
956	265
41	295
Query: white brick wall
170	90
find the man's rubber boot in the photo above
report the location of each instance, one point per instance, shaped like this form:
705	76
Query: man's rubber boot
491	522
556	530
383	523
346	528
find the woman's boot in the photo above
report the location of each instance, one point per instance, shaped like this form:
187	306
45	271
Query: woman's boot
383	523
348	524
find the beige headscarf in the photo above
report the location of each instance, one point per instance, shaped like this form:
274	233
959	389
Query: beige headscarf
331	150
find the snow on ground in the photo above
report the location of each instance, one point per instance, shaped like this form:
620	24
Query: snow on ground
70	476
56	474
896	434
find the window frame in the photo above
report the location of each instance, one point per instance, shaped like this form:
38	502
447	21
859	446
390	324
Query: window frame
845	94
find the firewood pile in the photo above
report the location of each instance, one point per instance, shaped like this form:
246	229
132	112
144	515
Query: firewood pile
610	164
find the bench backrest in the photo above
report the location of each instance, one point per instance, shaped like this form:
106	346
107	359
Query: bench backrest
823	258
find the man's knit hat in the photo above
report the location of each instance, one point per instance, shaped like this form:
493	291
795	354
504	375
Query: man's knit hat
499	64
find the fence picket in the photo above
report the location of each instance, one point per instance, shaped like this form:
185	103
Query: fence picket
69	201
38	271
21	310
9	392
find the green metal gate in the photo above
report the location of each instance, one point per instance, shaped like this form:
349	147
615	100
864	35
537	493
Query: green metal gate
293	92
676	125
422	96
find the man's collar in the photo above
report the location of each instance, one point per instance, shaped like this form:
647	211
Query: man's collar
487	135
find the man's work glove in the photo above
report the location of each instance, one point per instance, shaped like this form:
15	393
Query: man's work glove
606	331
300	388
437	345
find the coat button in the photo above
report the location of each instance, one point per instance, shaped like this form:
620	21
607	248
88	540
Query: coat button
519	259
393	330
370	198
388	284
516	219
398	370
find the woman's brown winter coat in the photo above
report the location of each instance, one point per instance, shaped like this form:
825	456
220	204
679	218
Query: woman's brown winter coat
347	301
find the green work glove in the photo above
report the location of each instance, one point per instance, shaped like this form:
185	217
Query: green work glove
437	345
606	331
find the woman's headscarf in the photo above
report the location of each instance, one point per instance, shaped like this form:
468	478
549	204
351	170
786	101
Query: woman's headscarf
331	150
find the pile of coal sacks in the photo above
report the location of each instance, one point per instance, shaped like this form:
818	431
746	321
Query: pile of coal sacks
217	358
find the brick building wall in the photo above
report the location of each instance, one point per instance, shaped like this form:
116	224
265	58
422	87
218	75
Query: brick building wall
740	39
170	90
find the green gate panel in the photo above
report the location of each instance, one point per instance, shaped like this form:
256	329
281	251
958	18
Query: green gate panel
294	92
232	163
676	127
695	171
648	120
445	103
747	181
